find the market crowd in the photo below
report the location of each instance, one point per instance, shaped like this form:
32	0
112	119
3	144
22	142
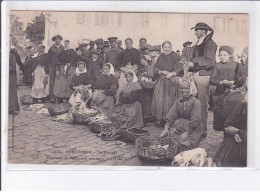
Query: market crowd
141	86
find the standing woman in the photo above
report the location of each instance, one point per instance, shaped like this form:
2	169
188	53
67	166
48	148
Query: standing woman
233	149
129	109
40	88
13	98
65	72
167	87
105	90
29	61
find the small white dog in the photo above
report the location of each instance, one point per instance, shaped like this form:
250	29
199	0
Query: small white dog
197	157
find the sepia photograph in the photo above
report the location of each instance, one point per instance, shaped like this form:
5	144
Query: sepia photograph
117	88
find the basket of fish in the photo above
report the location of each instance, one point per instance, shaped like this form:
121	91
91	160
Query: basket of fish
59	109
151	148
83	116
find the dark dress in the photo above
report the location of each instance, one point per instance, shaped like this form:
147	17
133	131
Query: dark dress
185	115
166	91
227	71
62	81
108	84
223	71
29	62
82	79
130	55
112	57
18	59
232	153
94	67
13	98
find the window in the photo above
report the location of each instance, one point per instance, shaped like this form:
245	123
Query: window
101	19
81	17
186	22
164	20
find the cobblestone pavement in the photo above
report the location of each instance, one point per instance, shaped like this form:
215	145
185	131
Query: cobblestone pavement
39	140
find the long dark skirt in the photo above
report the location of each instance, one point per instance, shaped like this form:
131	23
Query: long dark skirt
146	101
13	98
232	153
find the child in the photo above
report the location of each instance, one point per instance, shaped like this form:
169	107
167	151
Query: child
223	76
225	72
95	65
81	81
40	88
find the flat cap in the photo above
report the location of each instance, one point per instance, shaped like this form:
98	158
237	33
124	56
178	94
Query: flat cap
99	41
155	48
57	36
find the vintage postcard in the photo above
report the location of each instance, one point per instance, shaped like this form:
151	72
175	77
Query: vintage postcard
128	88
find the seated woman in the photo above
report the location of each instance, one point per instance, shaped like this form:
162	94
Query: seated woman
81	82
105	90
183	121
129	109
233	149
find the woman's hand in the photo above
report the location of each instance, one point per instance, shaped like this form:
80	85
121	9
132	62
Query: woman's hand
231	130
172	74
165	131
237	138
184	136
189	64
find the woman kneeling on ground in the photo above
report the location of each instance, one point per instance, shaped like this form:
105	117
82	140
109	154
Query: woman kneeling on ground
183	122
81	83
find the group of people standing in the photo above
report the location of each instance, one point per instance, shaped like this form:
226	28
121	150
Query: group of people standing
178	101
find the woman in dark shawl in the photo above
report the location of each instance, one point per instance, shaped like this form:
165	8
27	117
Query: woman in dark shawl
105	90
167	87
28	64
65	72
13	98
233	149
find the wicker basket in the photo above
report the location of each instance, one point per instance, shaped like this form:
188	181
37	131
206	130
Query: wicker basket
156	149
59	109
26	99
82	117
131	134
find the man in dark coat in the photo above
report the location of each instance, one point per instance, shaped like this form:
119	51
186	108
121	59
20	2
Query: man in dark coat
54	62
113	53
203	61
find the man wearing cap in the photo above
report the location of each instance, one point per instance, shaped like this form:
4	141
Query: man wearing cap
203	61
155	52
99	43
113	53
104	51
54	61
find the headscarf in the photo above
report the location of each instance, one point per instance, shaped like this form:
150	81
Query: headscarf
193	88
77	69
111	69
134	85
